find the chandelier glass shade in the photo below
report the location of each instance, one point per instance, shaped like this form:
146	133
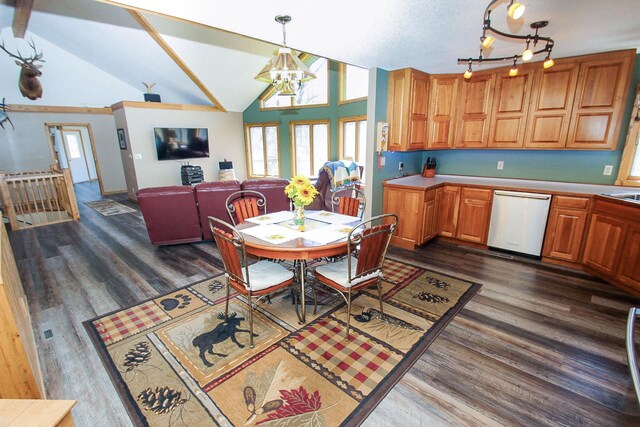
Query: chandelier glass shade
285	71
489	34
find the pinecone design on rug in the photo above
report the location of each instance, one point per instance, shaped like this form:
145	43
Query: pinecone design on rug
432	298
440	284
371	313
161	400
137	356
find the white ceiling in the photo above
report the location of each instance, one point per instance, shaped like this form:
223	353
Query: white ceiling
425	34
429	35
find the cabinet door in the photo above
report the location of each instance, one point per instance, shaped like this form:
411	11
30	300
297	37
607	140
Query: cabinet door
474	109
430	214
604	243
564	234
418	111
602	86
510	109
398	108
629	267
475	211
448	212
442	101
550	111
407	205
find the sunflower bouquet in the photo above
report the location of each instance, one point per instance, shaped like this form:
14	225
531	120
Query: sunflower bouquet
300	191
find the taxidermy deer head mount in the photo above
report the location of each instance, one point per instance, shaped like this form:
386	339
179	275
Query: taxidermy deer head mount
29	84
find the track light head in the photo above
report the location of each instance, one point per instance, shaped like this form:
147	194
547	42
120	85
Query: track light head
515	10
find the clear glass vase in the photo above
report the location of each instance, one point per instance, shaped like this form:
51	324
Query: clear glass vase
299	216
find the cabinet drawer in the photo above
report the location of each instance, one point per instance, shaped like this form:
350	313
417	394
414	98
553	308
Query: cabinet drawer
476	193
572	202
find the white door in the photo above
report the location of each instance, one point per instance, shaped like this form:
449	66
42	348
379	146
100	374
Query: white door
76	156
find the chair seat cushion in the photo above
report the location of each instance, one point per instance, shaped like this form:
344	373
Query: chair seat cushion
265	274
338	272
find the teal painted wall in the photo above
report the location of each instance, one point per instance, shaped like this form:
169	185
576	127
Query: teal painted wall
548	165
333	112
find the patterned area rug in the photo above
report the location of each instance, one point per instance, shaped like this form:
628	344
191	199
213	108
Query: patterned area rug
109	207
296	374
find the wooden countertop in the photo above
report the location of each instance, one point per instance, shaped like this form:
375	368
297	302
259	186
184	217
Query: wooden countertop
420	182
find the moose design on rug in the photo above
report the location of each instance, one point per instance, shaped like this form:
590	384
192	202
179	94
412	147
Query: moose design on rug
222	332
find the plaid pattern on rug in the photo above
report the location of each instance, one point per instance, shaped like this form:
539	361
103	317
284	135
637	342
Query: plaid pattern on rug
295	375
109	207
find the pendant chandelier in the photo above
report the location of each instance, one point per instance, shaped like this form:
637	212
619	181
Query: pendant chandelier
515	10
285	71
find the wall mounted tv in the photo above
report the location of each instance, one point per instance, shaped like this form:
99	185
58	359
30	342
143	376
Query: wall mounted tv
181	143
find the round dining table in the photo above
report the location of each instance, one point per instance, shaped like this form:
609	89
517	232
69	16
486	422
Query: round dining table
299	250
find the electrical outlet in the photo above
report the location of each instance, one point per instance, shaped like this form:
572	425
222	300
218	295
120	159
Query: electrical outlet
500	164
382	161
400	166
608	170
137	156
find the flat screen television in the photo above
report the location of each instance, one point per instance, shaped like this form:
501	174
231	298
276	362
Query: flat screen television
181	143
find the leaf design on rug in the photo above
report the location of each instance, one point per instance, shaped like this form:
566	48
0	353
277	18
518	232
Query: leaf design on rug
138	355
297	402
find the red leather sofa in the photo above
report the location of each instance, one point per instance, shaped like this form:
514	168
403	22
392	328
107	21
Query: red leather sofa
178	214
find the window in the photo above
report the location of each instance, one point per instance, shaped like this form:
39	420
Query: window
629	173
353	83
73	143
352	138
263	148
312	93
309	146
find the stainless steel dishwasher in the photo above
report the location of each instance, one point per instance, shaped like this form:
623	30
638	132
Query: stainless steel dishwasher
518	221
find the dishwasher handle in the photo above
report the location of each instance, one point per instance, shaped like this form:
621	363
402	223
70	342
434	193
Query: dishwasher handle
522	195
631	351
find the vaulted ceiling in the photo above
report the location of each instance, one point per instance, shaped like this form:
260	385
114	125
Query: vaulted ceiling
98	54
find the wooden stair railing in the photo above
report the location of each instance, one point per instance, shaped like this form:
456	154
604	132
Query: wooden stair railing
36	198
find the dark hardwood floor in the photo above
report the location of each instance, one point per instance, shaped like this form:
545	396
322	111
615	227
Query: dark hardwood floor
538	345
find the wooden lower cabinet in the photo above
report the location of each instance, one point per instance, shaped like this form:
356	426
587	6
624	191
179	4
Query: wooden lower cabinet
629	266
408	205
604	243
430	214
566	228
449	209
474	215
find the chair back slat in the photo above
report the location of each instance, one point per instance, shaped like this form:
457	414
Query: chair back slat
373	247
349	206
228	252
245	204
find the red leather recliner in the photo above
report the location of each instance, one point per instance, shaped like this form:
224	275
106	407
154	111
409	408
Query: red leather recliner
170	214
273	190
211	198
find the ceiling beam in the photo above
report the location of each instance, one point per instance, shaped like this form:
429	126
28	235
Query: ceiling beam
173	55
21	16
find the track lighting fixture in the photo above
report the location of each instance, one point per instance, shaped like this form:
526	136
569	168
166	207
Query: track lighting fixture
515	11
469	72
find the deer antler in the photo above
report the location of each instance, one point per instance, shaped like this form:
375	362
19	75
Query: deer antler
36	57
11	54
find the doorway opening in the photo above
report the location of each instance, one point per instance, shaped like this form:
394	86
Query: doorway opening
73	147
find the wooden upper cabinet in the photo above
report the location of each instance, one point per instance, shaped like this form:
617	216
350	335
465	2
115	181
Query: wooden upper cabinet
443	99
510	109
599	101
474	108
407	109
550	110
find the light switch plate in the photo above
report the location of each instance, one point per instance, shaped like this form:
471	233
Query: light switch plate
608	170
500	164
137	156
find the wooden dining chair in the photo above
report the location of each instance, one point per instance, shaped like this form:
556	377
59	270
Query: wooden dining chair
251	280
349	201
352	273
245	204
